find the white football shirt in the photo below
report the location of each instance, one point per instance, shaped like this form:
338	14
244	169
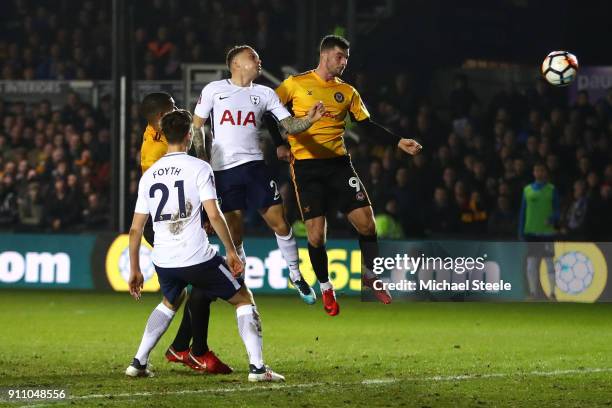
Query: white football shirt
236	115
172	191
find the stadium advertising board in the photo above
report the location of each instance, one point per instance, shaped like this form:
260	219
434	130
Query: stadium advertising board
46	261
266	270
595	80
55	91
414	270
441	270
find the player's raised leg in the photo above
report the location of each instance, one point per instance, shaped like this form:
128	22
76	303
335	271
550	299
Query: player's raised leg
363	220
312	199
274	216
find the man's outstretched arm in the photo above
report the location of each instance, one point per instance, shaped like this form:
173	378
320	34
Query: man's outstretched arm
409	146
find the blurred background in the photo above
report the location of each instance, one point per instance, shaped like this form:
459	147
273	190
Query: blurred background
463	80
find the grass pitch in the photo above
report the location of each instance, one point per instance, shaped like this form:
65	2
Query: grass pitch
404	354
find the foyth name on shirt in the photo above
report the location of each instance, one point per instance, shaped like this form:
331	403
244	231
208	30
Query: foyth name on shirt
167	171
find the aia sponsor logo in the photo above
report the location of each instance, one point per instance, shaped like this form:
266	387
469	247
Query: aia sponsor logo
240	118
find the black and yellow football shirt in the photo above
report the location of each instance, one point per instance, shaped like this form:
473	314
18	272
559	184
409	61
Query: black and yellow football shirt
325	138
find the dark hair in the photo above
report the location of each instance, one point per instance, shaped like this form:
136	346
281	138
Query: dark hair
235	50
154	103
330	41
175	125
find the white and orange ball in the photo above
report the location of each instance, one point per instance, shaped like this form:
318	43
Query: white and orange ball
560	68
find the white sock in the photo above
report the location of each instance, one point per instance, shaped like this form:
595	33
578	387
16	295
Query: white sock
289	249
158	323
241	254
325	286
249	327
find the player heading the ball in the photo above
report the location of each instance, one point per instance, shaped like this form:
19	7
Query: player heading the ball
323	175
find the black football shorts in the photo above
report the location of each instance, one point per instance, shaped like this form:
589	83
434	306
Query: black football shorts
327	184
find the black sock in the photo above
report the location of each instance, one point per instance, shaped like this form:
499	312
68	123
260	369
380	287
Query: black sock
183	335
369	250
199	306
318	259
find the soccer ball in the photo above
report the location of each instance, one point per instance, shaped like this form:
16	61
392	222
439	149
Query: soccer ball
560	68
574	272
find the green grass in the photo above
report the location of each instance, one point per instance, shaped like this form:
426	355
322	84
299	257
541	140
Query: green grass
408	354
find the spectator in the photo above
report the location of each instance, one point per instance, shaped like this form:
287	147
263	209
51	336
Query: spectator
539	208
449	179
592	184
387	226
402	94
30	203
443	217
574	219
408	202
583	105
502	223
537	223
95	215
161	46
598	224
375	185
8	200
61	211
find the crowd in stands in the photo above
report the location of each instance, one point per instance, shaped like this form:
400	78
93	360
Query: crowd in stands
467	182
54	166
72	40
55	40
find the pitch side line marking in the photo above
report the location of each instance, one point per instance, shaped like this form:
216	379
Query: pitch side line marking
374	381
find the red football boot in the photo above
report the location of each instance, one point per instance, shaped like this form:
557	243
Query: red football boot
210	363
174	356
381	294
330	305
